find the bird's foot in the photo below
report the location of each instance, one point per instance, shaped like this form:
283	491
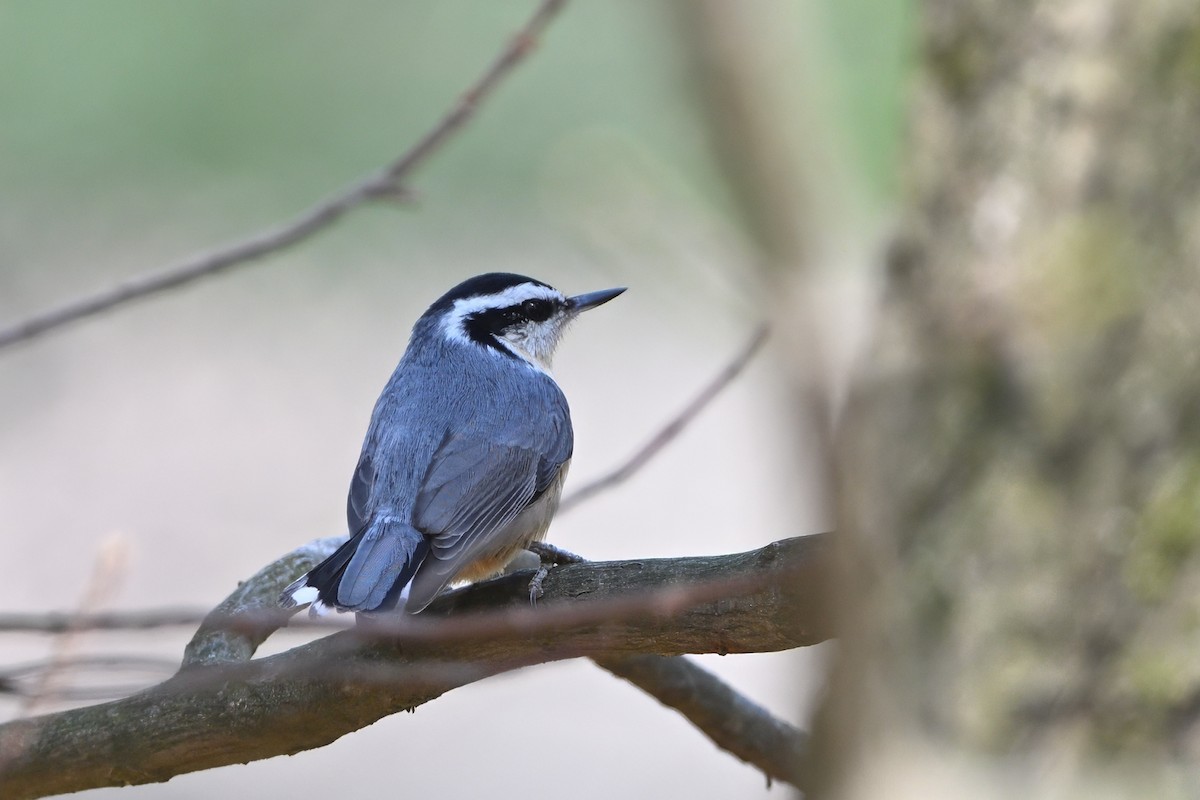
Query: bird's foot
549	554
535	584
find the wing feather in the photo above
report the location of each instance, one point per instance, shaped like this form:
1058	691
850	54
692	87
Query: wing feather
479	482
358	500
457	506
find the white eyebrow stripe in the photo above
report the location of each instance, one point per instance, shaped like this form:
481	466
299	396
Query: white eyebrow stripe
511	296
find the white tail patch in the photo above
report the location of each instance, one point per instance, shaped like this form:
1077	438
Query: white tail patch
318	608
304	595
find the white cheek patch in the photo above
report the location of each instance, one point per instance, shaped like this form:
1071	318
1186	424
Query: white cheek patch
535	343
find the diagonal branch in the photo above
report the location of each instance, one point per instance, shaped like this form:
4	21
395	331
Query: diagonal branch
387	182
667	433
733	722
224	713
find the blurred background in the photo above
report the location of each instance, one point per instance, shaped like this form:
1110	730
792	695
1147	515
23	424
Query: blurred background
184	442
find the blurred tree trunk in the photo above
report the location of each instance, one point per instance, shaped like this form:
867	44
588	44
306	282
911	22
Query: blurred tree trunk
1020	463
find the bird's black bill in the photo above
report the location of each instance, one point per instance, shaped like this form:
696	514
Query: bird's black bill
582	302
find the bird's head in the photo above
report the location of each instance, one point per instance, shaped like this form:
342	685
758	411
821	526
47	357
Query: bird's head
511	315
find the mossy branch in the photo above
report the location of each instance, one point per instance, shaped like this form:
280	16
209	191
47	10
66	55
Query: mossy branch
223	709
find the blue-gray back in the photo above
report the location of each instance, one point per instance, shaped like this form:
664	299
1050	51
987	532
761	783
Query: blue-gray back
459	444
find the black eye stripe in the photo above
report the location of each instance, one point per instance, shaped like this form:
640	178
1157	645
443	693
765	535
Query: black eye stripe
531	310
482	325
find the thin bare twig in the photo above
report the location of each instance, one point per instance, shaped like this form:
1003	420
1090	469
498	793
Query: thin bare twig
387	182
101	586
24	680
667	433
61	621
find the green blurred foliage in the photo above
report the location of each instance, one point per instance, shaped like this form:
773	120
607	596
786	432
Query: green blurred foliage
302	95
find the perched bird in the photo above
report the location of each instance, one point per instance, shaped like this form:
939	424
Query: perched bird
466	453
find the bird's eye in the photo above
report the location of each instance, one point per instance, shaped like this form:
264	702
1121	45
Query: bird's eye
537	310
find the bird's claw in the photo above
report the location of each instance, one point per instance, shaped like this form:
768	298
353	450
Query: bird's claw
535	584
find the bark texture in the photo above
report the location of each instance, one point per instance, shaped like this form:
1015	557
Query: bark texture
1021	461
220	710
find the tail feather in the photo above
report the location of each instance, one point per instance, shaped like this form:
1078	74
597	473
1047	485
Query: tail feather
382	565
367	573
320	584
